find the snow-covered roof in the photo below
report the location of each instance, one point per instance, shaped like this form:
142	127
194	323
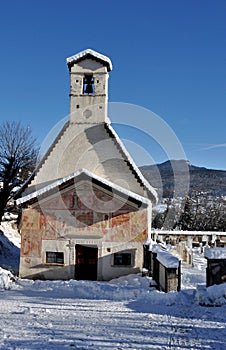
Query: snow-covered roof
167	260
89	52
128	157
156	247
187	233
66	179
215	253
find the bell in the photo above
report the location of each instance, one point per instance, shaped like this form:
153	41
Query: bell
89	89
88	84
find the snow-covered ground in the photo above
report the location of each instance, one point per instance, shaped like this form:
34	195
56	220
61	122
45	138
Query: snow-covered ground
124	313
9	246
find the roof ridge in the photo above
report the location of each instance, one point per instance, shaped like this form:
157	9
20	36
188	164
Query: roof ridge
130	160
42	161
53	144
91	52
88	173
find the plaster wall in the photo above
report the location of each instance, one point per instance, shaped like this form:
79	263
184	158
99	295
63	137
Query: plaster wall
37	268
89	148
107	270
61	222
88	108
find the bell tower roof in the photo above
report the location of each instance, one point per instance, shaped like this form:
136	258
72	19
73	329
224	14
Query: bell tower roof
89	53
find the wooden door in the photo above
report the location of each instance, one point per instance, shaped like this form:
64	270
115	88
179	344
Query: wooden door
86	262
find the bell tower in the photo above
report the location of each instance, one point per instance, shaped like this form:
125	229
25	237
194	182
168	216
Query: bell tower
88	87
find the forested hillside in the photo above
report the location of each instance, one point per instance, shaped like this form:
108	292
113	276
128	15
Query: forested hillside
202	207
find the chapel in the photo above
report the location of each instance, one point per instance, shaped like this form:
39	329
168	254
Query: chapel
86	209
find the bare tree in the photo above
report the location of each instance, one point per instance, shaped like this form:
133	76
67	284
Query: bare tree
17	159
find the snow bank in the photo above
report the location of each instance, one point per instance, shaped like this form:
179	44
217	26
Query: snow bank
9	230
9	247
129	288
123	288
212	296
215	253
6	279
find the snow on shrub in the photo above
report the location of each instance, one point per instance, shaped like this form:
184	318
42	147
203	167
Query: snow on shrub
6	279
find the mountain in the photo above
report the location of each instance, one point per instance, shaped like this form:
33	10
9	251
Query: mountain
164	176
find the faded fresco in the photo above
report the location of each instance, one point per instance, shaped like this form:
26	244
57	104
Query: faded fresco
31	235
67	215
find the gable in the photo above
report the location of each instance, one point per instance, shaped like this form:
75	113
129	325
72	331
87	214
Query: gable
85	206
88	65
97	149
90	54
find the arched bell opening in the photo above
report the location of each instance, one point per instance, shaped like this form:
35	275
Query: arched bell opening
88	85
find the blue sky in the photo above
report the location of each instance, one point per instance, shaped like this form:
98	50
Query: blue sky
168	57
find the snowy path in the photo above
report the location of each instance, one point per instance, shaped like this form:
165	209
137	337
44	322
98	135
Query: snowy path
35	320
124	313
